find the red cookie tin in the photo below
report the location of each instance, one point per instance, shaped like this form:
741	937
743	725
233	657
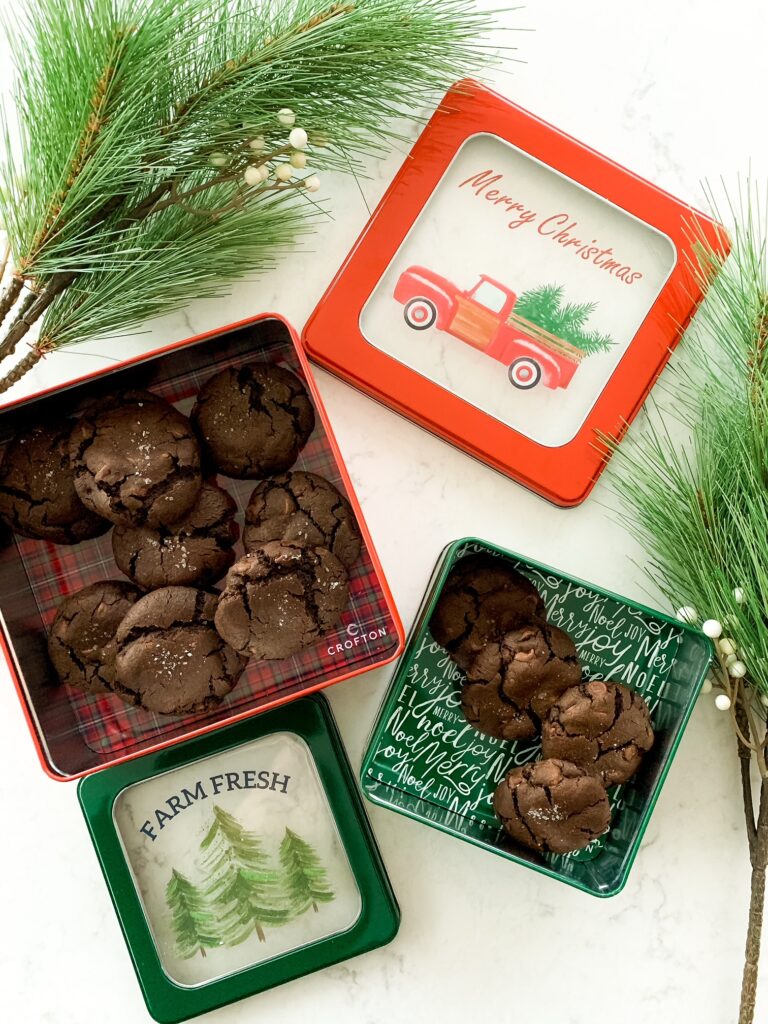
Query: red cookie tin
76	733
514	292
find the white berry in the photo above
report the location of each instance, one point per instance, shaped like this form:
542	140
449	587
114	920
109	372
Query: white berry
706	686
298	138
764	700
298	160
687	614
257	144
737	670
722	702
283	172
264	172
286	117
731	660
312	183
218	159
712	628
727	646
253	176
739	595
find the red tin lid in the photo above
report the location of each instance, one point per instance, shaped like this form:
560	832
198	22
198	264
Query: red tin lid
515	292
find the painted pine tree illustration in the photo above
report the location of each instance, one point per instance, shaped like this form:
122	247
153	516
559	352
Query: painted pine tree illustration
242	887
304	877
544	307
194	926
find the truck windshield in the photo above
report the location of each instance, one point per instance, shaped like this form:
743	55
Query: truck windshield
490	296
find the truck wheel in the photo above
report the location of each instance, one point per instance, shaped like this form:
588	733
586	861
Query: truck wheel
524	373
420	314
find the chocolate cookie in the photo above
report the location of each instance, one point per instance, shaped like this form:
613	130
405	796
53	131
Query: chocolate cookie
604	727
37	489
170	659
485	707
253	420
195	550
483	598
533	665
136	460
81	643
278	599
305	510
552	806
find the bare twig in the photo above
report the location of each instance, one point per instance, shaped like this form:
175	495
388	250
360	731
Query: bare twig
33	357
56	284
742	716
10	296
7	348
745	763
756	903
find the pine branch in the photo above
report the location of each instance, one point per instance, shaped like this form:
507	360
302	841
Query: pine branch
692	487
73	201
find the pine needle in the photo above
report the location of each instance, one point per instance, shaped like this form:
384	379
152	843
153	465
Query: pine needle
135	121
693	485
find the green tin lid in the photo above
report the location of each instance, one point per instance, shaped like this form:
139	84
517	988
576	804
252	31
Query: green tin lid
424	760
239	860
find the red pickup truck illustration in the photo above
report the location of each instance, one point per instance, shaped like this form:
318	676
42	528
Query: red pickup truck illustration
484	317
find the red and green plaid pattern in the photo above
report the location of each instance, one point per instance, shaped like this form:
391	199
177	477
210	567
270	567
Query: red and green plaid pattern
366	636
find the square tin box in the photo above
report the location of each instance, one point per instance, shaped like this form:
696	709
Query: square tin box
425	761
76	733
239	860
514	292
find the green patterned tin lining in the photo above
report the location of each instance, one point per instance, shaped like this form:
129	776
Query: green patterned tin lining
426	761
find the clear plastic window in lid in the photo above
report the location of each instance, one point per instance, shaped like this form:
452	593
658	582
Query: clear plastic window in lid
237	859
518	289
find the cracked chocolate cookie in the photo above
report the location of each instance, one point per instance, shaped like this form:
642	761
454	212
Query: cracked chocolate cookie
37	489
81	642
136	460
552	806
485	706
279	599
253	420
483	598
604	727
302	509
197	549
533	665
170	659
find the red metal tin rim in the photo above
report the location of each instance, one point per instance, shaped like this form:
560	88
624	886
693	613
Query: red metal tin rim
333	444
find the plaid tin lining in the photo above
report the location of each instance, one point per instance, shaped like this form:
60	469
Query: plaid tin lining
365	636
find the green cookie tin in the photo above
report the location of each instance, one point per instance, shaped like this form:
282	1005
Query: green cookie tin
425	761
239	860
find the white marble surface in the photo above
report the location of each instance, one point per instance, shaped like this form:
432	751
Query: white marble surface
671	90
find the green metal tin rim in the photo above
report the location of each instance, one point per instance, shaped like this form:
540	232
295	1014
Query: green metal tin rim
311	719
442	569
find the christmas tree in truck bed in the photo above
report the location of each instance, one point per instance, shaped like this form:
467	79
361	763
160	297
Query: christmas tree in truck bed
536	335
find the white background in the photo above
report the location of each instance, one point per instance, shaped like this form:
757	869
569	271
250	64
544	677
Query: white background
673	91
